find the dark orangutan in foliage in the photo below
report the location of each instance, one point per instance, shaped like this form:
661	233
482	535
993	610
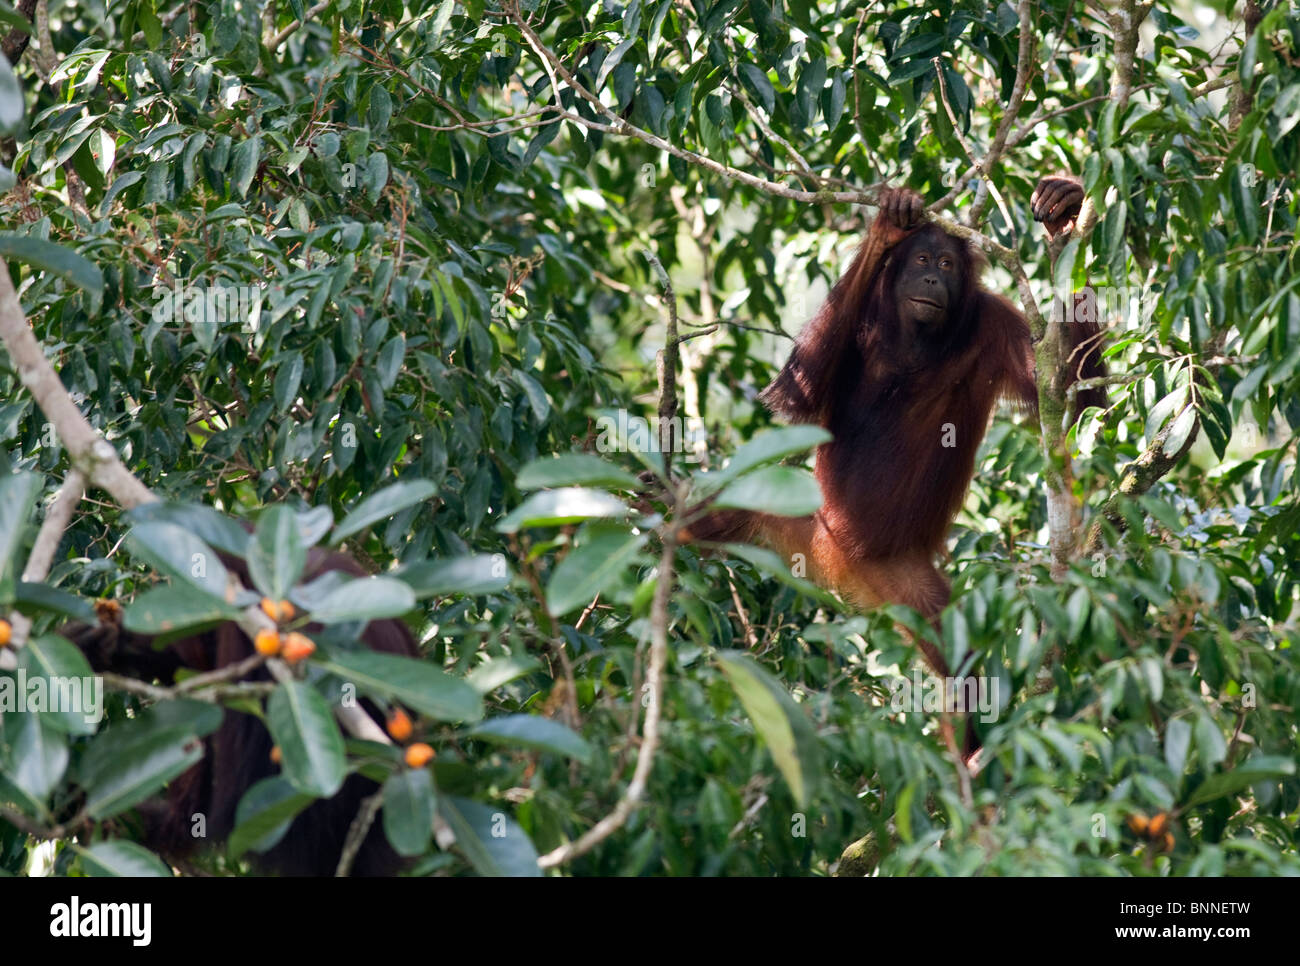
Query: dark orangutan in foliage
238	754
903	365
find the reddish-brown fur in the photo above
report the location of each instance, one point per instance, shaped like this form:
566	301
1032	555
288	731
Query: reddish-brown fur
905	437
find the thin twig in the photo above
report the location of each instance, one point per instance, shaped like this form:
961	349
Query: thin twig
41	558
659	621
358	831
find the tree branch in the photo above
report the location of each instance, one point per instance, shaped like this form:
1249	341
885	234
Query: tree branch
659	617
39	560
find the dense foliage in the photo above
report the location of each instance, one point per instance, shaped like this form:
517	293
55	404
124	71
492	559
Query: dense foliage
366	272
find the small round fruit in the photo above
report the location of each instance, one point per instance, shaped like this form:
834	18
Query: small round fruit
297	647
270	608
1159	825
276	755
267	642
399	725
419	755
1139	824
286	611
6	633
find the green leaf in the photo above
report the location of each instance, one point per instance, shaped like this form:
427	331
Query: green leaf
132	759
264	815
1063	271
493	842
755	80
834	96
68	680
443	18
105	151
14	18
175	551
601	554
48	257
612	61
36	758
780	490
225	34
119	185
212	527
276	555
36	599
149	23
288	377
126	774
12	108
1245	207
244	160
781	723
383	504
533	731
313	524
1180	431
119	858
380	109
1112	234
771	563
809	89
366	598
376	176
390	360
409	806
1178	739
903	810
18	494
574	469
412	682
571	504
490	675
479	574
311	746
1249	772
1210	745
1161	411
1077	609
766	447
200	718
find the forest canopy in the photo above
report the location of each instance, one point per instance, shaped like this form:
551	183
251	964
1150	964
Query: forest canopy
428	284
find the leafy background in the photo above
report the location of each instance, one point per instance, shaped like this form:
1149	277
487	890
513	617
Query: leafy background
450	282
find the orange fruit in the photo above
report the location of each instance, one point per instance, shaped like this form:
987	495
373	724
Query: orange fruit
399	725
278	611
419	755
297	647
267	642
